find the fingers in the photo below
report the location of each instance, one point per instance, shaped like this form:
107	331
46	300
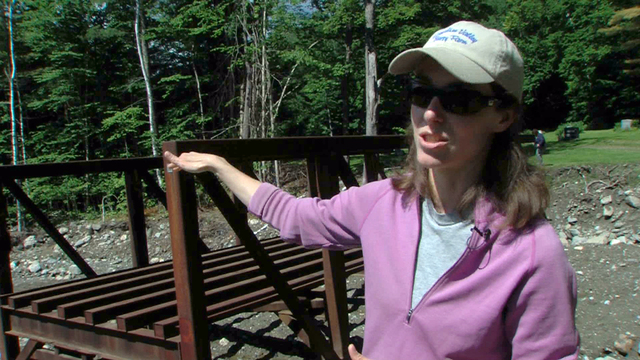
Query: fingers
354	354
173	161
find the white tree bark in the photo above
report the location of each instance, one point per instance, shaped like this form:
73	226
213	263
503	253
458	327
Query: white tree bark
195	72
143	54
12	106
371	63
141	45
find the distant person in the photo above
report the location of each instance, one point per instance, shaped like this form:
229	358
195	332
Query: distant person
460	262
540	144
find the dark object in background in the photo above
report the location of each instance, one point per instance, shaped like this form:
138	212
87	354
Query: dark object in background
571	133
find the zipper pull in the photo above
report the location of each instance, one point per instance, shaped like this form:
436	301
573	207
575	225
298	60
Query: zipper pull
409	315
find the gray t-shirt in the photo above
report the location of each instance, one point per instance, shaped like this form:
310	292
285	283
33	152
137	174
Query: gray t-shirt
443	239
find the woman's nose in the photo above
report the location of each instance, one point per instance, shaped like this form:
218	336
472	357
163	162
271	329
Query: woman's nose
434	112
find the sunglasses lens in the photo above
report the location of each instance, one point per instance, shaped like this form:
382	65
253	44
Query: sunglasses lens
457	101
463	102
421	96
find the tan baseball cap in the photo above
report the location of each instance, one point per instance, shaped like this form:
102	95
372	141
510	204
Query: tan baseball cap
472	53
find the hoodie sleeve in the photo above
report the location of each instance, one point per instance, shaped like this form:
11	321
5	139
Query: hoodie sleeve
333	223
540	317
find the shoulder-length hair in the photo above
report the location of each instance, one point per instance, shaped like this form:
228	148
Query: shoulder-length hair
517	189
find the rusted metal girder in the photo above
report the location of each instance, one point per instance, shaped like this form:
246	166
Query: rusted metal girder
137	227
104	341
326	182
187	264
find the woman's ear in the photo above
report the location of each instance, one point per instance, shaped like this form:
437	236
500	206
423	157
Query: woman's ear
508	116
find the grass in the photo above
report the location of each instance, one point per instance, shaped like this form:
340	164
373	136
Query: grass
593	147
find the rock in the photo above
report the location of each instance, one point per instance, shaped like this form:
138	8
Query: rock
74	270
572	220
563	239
156	260
632	201
607	212
578	240
605	358
30	242
14	264
35	267
624	344
82	242
223	342
598	240
96	227
63	231
618	240
124	237
574	232
617	216
157	235
606	200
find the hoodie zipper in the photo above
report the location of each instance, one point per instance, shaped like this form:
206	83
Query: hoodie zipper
476	232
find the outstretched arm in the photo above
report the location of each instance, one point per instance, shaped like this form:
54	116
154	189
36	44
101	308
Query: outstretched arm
242	185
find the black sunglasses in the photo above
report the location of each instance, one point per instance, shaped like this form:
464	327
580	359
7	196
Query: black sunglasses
460	101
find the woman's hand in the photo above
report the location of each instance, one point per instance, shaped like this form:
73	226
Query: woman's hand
239	183
355	355
194	162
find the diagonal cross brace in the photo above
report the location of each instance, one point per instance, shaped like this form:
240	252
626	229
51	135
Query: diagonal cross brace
241	228
51	230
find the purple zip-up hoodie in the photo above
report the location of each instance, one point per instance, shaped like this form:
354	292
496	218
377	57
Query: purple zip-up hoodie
511	295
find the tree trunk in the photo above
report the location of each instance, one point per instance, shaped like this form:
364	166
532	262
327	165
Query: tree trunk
371	63
371	84
247	103
195	73
143	54
344	86
11	76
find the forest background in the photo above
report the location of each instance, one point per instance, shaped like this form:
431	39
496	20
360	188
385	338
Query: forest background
89	79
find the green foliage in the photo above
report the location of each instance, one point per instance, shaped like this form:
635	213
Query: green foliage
561	39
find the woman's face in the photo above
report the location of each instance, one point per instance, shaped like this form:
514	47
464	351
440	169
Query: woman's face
449	141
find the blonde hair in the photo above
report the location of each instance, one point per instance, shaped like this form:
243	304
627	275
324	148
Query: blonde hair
517	189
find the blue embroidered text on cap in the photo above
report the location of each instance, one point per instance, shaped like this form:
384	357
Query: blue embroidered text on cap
448	33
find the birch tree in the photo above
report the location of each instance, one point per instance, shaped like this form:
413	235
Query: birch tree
143	55
15	127
371	64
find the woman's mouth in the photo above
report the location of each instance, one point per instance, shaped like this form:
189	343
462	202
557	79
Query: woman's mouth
433	141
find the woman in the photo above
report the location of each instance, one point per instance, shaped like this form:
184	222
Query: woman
459	260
